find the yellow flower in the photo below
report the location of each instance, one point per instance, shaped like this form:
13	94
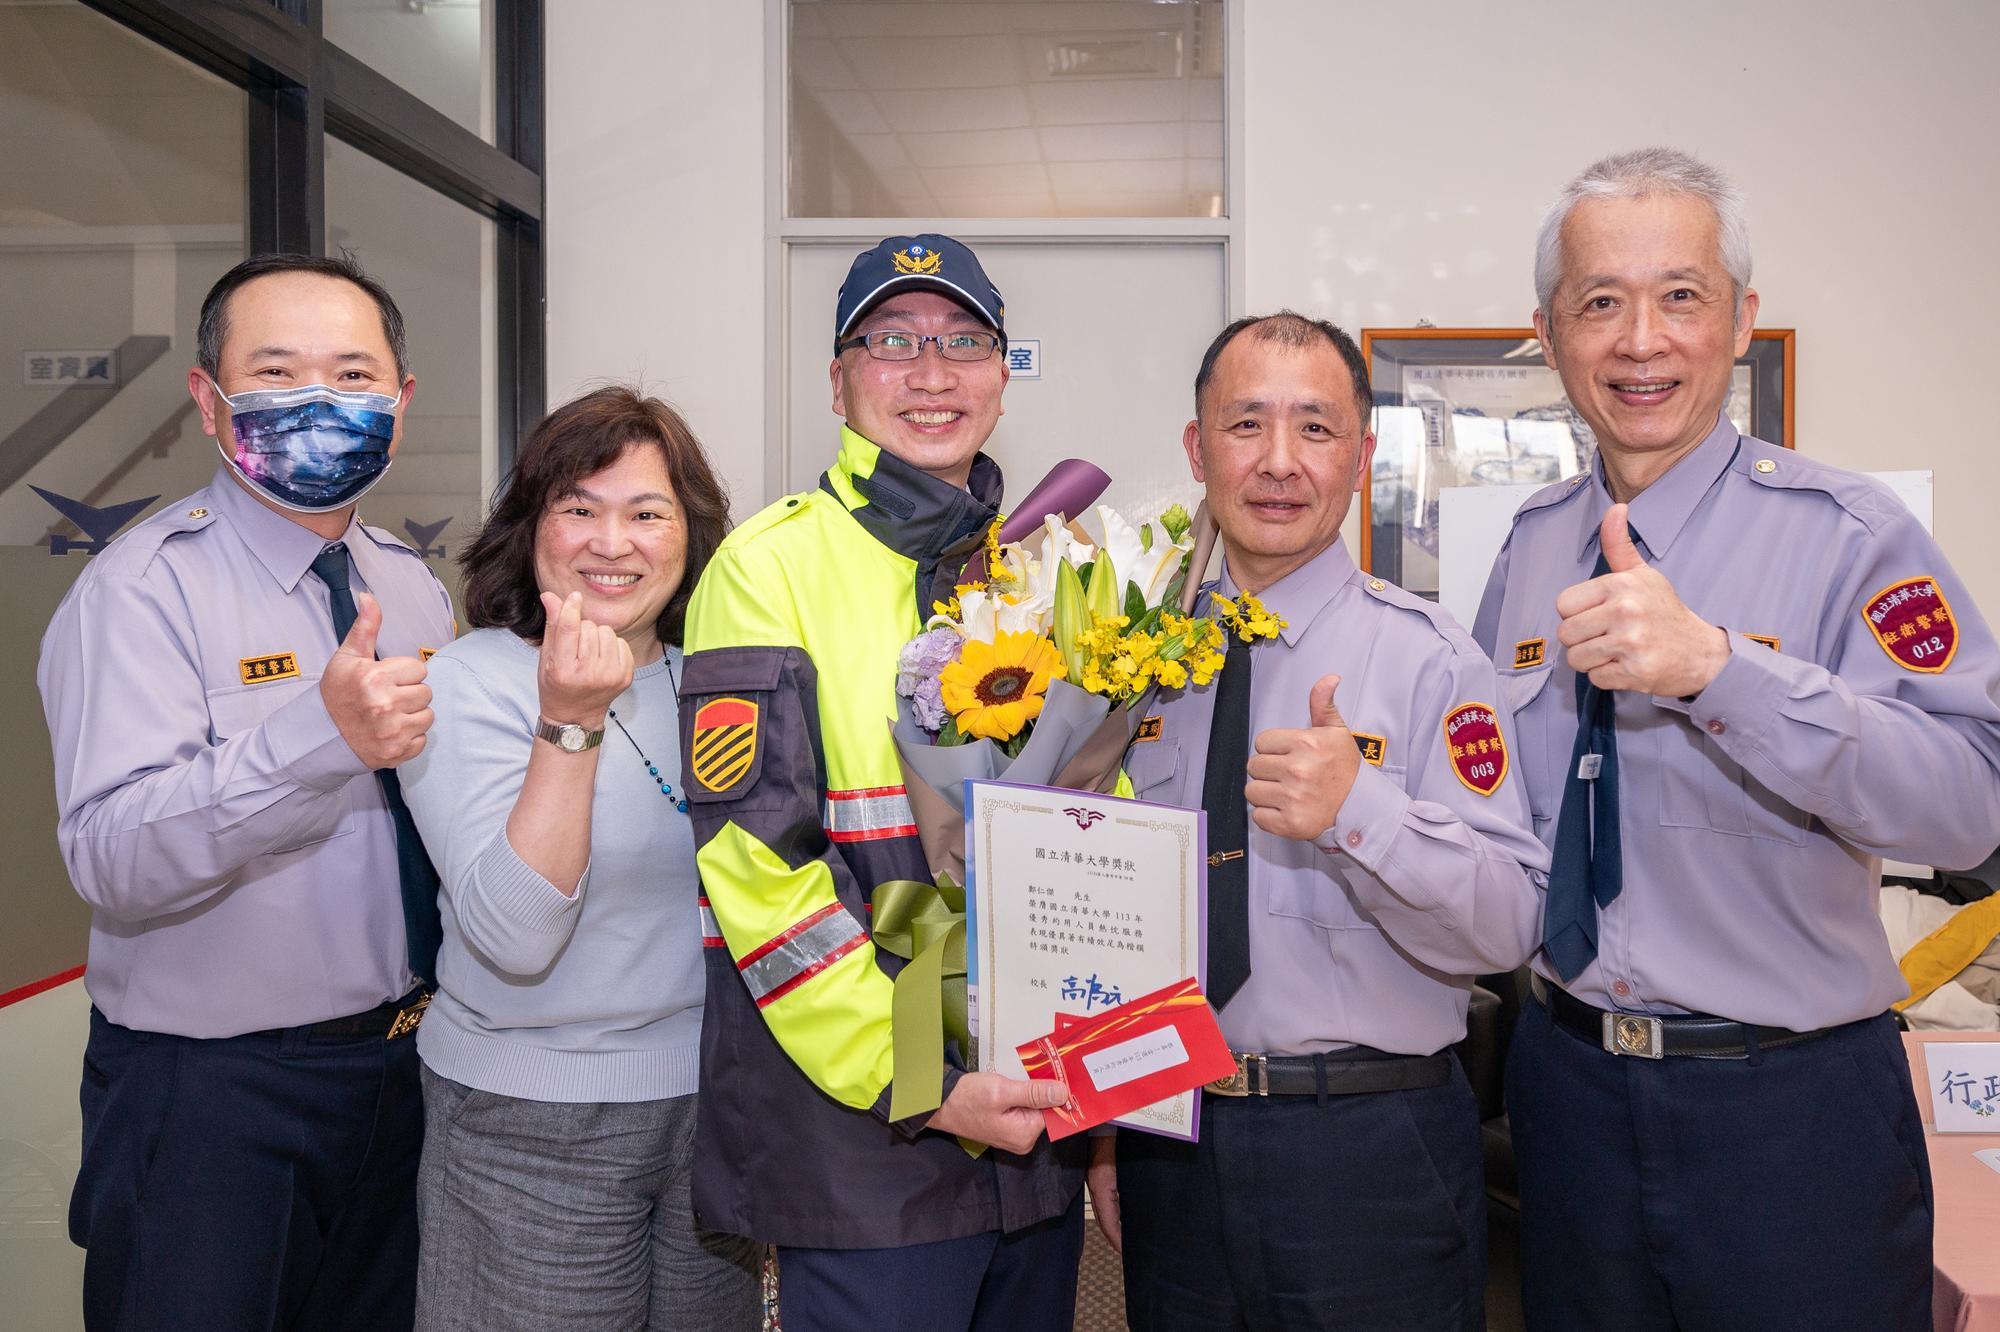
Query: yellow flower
995	689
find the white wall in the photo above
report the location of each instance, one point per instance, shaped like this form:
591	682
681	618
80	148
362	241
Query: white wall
656	255
1860	132
1397	159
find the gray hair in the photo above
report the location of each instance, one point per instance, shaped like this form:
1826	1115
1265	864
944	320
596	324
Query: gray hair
1642	174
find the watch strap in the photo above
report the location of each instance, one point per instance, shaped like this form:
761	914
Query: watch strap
549	731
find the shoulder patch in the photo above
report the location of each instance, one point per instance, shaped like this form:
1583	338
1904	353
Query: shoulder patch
1374	748
723	750
1477	749
1868	501
771	515
1553	494
271	666
1530	652
1914	624
1439	619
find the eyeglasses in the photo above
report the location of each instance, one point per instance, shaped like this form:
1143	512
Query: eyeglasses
895	344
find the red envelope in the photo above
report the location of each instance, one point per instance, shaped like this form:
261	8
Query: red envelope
1156	1046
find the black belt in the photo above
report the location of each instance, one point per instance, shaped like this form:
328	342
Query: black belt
1341	1073
396	1018
1697	1037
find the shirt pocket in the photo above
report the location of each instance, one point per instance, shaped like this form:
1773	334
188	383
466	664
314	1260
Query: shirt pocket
1543	753
1155	769
1702	787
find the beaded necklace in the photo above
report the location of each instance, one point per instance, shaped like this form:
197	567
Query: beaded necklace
666	787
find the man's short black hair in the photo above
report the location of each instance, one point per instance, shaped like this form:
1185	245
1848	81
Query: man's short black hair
1289	328
214	325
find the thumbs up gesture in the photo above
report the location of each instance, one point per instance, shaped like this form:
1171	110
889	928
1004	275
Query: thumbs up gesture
382	708
1627	629
1299	779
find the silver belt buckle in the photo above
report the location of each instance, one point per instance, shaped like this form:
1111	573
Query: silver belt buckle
1635	1034
1251	1078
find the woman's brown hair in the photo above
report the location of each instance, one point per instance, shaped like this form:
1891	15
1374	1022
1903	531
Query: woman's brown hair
577	440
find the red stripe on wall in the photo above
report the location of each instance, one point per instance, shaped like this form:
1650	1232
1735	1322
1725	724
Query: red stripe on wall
33	988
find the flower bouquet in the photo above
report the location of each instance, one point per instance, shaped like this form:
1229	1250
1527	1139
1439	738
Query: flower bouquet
1032	670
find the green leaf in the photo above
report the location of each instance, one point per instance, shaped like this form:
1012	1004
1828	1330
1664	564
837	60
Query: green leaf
1135	603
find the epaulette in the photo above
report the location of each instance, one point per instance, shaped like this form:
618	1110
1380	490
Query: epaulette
388	540
131	553
1436	616
774	514
1549	496
1870	503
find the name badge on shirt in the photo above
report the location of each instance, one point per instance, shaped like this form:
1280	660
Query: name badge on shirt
1529	652
1768	640
1373	747
271	666
1149	729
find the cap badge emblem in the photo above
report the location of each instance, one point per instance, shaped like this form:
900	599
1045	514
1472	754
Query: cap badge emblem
918	261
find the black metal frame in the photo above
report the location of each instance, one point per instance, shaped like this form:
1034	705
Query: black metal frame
303	87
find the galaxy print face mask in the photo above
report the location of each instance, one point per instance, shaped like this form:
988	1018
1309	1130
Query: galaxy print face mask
311	449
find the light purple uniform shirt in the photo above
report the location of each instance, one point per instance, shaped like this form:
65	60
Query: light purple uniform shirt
238	858
1753	819
1371	935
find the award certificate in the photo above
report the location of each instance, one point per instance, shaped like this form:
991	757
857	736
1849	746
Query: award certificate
1076	903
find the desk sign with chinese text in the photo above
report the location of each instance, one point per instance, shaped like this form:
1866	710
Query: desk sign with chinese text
1074	904
1964	1081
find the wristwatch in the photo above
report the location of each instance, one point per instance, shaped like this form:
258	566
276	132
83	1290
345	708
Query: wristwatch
568	737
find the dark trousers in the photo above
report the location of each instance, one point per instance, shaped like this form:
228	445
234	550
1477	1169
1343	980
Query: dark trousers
1358	1212
1789	1190
258	1182
1019	1282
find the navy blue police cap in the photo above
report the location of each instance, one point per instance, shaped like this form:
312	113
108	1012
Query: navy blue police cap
918	263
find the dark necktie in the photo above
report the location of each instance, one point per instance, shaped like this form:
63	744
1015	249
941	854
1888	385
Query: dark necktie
1228	828
1588	872
419	881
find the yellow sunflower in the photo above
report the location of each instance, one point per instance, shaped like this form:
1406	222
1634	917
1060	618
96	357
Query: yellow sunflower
995	689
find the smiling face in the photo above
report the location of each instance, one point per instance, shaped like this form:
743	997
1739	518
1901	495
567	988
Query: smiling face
932	413
1282	447
620	538
1645	327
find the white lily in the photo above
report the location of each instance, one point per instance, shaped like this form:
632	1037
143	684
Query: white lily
983	616
1058	544
1151	569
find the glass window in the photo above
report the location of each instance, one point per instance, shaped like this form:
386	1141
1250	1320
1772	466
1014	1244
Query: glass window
990	108
436	258
440	50
122	199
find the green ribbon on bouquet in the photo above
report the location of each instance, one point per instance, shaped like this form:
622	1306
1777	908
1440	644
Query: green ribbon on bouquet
924	923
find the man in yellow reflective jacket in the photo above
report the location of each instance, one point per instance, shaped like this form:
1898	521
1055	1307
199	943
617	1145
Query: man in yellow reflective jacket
799	813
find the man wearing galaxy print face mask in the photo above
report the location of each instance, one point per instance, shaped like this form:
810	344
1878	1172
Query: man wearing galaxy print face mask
230	687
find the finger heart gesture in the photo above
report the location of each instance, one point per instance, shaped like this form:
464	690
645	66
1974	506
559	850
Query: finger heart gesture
584	666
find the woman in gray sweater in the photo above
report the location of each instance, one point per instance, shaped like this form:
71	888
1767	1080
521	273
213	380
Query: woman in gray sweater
561	1052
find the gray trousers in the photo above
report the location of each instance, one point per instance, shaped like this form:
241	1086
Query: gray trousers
551	1215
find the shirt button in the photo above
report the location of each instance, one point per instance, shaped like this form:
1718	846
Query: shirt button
1766	466
1621	989
1718	726
1376	585
1354	839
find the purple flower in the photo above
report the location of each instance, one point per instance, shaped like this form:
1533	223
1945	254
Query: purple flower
917	670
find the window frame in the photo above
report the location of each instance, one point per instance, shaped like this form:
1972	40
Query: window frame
302	88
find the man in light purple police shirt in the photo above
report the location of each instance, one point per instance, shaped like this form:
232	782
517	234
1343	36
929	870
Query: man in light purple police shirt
1785	681
1377	858
252	1116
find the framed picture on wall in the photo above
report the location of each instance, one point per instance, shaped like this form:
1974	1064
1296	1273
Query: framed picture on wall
1479	407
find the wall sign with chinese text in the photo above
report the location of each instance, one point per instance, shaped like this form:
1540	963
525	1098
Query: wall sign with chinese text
1024	358
60	369
1964	1082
